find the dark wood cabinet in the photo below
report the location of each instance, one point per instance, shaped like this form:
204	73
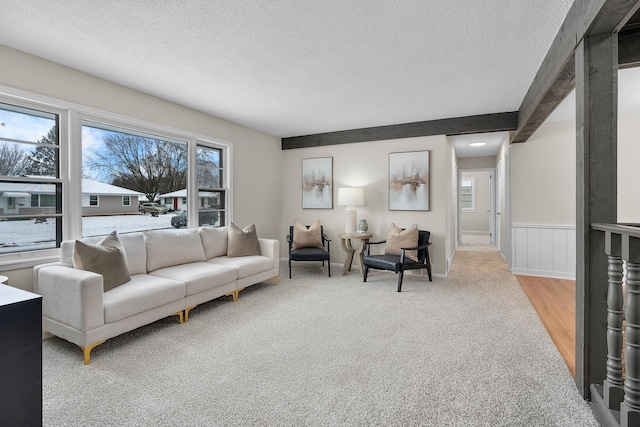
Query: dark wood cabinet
20	357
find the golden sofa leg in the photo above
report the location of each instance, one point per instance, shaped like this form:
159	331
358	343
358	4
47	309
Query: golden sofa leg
87	351
276	279
180	315
234	294
186	312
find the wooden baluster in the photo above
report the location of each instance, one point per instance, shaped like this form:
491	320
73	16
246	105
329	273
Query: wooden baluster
630	408
613	389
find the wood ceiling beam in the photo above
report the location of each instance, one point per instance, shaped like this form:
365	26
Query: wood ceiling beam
556	75
455	126
629	48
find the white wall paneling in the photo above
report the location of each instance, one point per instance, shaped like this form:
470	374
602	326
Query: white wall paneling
544	250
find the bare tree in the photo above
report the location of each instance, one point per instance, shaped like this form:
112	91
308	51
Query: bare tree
13	160
147	165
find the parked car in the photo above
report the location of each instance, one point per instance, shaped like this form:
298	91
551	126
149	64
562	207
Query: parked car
152	208
204	218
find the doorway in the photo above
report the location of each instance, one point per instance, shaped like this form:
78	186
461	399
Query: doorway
477	206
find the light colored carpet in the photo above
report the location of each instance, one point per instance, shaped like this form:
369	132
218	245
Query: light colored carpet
316	351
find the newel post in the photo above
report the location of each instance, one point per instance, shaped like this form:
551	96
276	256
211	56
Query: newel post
612	387
630	407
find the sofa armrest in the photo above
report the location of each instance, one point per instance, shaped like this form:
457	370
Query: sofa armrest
270	248
36	270
71	296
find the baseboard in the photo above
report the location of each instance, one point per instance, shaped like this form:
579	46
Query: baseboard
538	273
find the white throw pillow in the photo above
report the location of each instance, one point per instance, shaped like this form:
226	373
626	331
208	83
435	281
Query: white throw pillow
214	241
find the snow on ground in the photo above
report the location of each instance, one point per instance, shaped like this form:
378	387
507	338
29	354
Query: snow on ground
18	236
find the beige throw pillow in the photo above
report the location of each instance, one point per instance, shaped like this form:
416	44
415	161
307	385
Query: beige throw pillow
106	258
398	238
242	242
304	237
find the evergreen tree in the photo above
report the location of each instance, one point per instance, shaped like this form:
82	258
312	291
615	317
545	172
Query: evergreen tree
44	160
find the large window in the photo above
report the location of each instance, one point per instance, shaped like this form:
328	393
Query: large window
121	162
67	174
30	184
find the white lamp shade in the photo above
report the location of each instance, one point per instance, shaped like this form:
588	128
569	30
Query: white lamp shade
351	196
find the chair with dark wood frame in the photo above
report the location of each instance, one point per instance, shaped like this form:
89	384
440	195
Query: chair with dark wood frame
399	263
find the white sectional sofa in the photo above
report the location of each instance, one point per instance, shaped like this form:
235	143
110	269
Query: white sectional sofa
171	272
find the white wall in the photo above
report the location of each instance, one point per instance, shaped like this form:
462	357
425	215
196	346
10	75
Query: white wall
628	158
366	165
257	159
543	176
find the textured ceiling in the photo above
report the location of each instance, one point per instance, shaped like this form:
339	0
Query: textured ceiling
291	67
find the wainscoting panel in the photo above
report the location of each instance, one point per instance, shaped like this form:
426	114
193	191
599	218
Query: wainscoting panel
544	250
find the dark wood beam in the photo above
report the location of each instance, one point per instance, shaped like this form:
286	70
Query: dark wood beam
455	126
629	48
596	198
556	75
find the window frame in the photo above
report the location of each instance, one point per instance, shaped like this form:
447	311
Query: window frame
472	186
28	258
69	180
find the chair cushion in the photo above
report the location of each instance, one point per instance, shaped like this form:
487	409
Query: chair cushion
309	254
107	258
398	239
389	262
242	242
304	237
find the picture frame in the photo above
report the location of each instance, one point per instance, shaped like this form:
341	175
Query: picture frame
317	183
409	181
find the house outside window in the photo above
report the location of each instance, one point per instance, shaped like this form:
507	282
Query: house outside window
38	158
29	169
468	194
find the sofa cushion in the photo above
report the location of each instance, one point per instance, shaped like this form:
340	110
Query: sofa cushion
214	241
304	237
143	292
106	258
242	242
166	248
246	265
198	276
398	238
134	250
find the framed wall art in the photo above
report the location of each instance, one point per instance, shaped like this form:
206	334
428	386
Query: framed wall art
409	181
317	183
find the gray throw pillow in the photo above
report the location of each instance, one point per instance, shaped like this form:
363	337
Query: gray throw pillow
106	258
242	242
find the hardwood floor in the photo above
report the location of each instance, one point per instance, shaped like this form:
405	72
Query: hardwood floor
555	302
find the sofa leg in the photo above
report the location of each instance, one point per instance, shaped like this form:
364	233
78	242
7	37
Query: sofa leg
186	312
276	279
234	294
87	351
180	315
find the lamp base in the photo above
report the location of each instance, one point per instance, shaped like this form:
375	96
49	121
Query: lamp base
350	219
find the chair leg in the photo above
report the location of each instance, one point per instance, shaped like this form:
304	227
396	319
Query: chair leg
429	271
289	268
400	277
328	267
365	273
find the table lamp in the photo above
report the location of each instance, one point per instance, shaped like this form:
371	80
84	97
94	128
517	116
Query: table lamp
350	197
